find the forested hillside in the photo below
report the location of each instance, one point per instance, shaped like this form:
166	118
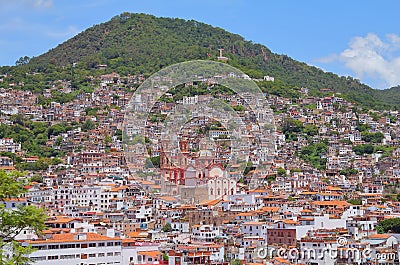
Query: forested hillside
139	43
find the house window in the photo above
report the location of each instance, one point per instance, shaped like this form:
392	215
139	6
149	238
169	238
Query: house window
54	246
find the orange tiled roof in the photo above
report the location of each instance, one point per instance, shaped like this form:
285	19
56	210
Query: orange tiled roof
380	236
138	234
332	203
290	222
270	209
281	260
14	199
210	203
253	223
153	254
167	198
70	237
7	168
245	214
333	188
61	220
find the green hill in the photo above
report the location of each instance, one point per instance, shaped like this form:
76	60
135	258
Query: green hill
140	43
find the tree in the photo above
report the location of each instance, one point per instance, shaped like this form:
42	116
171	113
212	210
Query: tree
91	111
165	257
118	133
315	154
37	178
239	108
310	130
363	149
248	168
348	171
388	225
107	139
167	228
14	221
22	61
155	160
372	137
58	129
88	125
281	172
291	125
235	262
58	141
271	178
355	201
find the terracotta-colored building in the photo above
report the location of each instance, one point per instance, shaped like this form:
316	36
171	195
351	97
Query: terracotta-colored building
281	236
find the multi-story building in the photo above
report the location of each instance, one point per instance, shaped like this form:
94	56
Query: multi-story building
77	248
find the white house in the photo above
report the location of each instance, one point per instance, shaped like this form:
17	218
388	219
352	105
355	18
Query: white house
254	229
76	248
204	233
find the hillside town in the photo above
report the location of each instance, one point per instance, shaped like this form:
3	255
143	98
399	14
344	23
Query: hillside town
331	179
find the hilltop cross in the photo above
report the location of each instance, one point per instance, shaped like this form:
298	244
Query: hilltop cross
220	57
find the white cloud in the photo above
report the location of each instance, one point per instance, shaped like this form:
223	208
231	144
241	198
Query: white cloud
370	57
38	4
48	31
394	39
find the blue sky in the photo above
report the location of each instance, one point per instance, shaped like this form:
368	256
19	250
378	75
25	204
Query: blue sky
357	38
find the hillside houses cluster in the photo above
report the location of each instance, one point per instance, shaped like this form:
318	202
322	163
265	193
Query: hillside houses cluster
99	212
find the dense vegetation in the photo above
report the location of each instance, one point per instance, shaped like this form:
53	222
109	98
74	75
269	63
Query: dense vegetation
14	222
315	154
139	43
362	149
292	127
33	135
391	225
355	201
